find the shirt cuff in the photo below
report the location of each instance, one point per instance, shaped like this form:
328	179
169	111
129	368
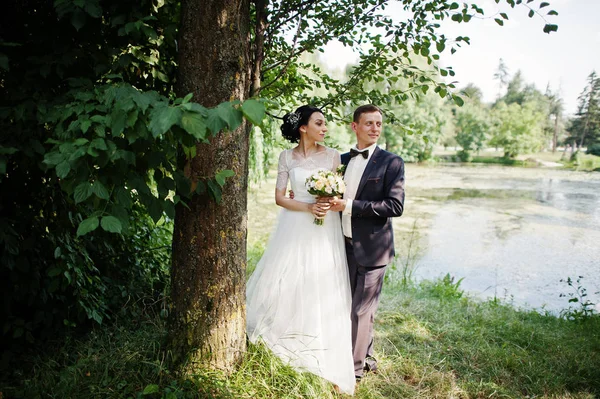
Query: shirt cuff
348	208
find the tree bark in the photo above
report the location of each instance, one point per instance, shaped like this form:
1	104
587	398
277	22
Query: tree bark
259	44
555	135
208	274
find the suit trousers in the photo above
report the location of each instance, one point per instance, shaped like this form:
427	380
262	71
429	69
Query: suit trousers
366	283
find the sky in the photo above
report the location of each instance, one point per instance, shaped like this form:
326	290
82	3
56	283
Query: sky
563	59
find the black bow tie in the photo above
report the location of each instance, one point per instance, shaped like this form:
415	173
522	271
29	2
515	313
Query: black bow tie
354	153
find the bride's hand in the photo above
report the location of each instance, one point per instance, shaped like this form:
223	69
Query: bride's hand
319	209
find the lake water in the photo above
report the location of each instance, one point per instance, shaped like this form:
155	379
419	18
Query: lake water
512	233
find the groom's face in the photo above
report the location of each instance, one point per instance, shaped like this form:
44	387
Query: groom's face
367	129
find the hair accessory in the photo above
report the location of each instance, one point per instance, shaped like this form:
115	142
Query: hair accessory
293	119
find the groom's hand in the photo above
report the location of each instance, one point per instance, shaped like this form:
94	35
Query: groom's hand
337	204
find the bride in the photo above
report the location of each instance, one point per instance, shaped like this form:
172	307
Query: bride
298	298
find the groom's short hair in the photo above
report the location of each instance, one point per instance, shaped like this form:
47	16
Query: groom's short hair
365	109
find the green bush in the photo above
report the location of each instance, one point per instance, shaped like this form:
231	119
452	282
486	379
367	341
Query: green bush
594	149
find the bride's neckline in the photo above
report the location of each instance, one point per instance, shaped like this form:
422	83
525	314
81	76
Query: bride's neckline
320	149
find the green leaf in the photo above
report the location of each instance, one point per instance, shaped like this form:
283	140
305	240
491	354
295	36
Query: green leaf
457	100
550	28
155	208
53	158
55	271
499	21
552	12
63	169
222	175
544	4
132	118
99	130
111	224
85	125
142	100
57	253
169	208
162	118
200	187
150	389
91	151
194	124
8	150
82	192
127	156
214	121
99	143
123	197
454	6
4	62
254	111
93	9
215	191
99	189
503	15
230	115
78	19
182	183
88	225
81	141
118	121
531	13
187	98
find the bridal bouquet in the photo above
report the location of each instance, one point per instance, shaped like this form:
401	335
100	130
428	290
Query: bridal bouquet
325	183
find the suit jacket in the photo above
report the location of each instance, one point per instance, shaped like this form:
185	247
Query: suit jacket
379	197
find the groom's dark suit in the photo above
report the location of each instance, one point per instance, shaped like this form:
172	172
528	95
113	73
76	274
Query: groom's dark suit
379	197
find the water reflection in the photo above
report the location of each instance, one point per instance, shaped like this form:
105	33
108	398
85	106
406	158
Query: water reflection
512	233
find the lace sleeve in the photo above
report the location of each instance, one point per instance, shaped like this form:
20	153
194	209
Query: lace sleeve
336	159
282	171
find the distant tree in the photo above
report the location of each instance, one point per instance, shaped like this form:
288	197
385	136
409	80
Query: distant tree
472	92
585	126
472	127
502	76
518	129
427	115
556	109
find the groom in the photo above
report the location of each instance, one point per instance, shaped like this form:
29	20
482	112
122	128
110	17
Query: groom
374	194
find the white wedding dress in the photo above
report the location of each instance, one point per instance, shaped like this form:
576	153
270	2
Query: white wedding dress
298	298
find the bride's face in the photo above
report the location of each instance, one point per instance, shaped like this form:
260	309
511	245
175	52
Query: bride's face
316	128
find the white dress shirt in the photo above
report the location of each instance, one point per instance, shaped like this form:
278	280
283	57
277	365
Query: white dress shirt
354	171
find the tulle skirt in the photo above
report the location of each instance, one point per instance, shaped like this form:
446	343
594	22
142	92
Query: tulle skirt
298	298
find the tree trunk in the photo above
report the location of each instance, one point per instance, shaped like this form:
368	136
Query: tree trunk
259	44
208	274
555	135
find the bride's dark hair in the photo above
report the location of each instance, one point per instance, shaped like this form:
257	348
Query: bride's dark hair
290	129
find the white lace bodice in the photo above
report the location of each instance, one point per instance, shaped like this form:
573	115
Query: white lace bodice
295	168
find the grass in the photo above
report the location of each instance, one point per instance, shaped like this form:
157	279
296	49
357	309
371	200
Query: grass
582	162
433	341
